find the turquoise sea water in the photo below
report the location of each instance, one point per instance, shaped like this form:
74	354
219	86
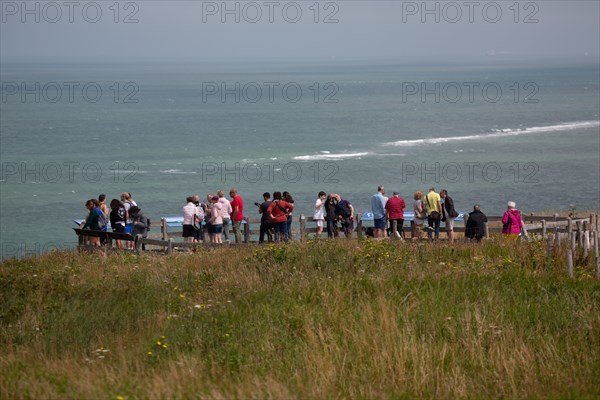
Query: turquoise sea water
487	133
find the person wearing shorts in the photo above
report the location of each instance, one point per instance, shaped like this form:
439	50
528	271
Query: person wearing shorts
216	220
378	209
449	213
319	215
189	212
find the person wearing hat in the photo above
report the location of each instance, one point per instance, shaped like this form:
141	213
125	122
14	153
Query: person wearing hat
394	210
511	221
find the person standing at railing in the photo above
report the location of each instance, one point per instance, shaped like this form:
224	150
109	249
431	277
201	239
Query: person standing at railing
117	219
265	220
201	208
237	214
319	214
226	211
378	202
92	221
345	212
511	221
190	211
288	226
216	220
394	209
331	216
475	227
278	212
420	212
434	213
448	214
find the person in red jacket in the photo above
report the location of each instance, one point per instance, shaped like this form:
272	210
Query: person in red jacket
278	212
511	221
394	211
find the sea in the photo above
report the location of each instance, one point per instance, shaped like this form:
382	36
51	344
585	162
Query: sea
488	132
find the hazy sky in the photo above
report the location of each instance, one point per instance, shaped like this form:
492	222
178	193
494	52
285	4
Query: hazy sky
302	29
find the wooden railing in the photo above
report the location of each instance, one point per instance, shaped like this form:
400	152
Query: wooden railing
576	233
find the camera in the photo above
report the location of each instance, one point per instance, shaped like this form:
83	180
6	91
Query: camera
257	204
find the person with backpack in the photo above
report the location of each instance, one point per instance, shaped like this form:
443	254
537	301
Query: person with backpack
278	212
102	204
140	224
117	219
511	221
199	218
93	222
330	216
345	212
448	214
128	202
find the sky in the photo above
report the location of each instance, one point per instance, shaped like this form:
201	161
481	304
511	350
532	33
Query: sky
310	30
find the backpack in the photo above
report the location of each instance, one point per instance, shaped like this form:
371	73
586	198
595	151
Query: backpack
344	209
102	220
508	222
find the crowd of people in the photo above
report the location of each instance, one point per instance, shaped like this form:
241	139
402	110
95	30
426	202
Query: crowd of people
435	208
331	213
125	216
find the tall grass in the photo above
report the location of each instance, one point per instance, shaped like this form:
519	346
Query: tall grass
330	319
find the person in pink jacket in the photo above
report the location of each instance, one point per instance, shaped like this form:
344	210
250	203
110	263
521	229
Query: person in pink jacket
511	221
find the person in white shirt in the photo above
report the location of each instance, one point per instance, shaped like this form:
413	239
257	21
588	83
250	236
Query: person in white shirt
189	213
226	210
319	215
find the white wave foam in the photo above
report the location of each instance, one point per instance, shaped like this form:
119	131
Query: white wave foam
341	156
500	133
177	171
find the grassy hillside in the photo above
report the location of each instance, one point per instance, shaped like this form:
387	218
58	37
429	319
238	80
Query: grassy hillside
343	319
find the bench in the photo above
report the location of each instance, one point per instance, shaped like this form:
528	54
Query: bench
105	237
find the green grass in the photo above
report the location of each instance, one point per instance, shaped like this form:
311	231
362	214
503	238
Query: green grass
330	319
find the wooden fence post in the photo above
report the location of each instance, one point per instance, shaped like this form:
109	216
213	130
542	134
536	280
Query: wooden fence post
570	262
164	228
550	245
597	255
486	229
579	234
570	232
170	246
543	228
359	232
246	230
302	227
586	238
138	243
393	226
